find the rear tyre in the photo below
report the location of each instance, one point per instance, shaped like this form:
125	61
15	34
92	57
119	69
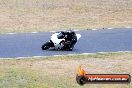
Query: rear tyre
46	46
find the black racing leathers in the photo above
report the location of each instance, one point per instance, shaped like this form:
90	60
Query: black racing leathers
70	40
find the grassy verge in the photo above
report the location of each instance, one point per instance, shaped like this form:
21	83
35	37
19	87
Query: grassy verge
59	72
49	15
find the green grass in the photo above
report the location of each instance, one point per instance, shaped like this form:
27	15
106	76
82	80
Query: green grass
60	72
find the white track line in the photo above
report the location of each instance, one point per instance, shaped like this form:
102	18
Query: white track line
52	31
128	27
58	55
107	52
34	32
75	30
109	28
11	33
66	55
88	53
94	29
124	51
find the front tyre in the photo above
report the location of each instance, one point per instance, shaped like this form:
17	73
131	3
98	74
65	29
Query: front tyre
46	46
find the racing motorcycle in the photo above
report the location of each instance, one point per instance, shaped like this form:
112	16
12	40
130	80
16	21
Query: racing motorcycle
62	41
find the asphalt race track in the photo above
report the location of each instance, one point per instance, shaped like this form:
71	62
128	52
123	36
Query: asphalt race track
92	41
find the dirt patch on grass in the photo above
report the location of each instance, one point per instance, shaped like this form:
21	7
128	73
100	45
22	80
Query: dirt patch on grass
49	15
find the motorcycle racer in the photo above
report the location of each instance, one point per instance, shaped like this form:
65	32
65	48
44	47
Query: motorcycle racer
62	40
70	39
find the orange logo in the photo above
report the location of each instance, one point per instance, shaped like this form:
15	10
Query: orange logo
83	78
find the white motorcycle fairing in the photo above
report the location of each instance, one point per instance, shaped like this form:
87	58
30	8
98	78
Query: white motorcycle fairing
78	36
57	41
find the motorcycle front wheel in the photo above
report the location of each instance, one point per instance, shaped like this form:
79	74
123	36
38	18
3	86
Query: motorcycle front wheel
46	46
